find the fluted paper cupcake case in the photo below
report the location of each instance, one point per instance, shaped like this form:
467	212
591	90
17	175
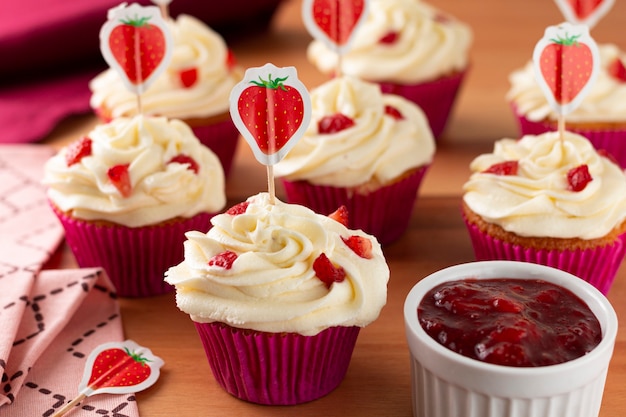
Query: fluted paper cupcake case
277	368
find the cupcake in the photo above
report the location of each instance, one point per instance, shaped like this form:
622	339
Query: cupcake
527	297
194	88
410	49
128	191
549	200
601	116
278	295
362	150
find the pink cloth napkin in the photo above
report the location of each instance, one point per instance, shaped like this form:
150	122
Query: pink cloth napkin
50	320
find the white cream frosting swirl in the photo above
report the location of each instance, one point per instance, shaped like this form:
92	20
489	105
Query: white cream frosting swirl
272	286
429	45
537	201
160	190
375	150
195	46
606	101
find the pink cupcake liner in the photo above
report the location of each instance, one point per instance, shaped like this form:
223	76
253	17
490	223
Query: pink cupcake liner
222	139
277	368
597	266
135	259
436	98
613	141
384	213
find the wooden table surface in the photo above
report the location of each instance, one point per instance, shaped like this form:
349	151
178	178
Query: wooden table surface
377	383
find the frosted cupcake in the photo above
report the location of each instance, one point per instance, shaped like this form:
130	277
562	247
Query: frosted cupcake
410	49
128	191
549	201
278	295
194	88
601	116
362	150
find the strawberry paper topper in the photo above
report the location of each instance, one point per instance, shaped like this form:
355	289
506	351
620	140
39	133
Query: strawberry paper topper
585	12
116	368
566	63
272	109
136	42
334	22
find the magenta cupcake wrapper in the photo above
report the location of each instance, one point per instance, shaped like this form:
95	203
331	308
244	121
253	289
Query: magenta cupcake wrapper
384	213
277	369
436	98
597	266
222	139
612	141
135	259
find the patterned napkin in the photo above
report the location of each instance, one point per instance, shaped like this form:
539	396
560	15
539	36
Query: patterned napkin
50	320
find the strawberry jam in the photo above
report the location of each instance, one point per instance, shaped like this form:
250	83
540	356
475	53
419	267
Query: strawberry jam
512	322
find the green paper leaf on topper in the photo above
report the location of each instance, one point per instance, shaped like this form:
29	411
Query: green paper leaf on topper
584	12
566	62
271	108
116	368
136	42
334	22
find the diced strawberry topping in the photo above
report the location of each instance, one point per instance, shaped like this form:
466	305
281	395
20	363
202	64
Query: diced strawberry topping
238	208
185	159
389	38
77	150
231	60
578	178
223	260
393	112
503	168
335	123
326	271
340	215
360	245
188	77
120	178
617	70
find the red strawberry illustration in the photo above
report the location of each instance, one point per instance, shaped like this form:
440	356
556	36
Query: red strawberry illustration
587	12
271	109
136	42
566	61
120	178
334	21
77	150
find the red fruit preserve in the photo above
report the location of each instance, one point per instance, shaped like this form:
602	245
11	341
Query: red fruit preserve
512	322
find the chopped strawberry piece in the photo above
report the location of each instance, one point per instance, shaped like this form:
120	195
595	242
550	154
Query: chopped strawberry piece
335	123
503	168
393	112
578	178
390	38
238	208
360	245
188	77
340	215
223	260
185	159
326	271
231	61
77	150
617	70
120	178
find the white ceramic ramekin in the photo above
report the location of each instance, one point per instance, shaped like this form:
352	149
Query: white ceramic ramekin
447	384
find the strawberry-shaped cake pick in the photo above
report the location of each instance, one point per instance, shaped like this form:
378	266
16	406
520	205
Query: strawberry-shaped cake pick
116	368
334	22
136	42
271	109
566	62
584	12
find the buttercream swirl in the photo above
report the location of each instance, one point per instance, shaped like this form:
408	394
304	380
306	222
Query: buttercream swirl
272	286
161	190
429	44
538	202
376	149
605	101
195	46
